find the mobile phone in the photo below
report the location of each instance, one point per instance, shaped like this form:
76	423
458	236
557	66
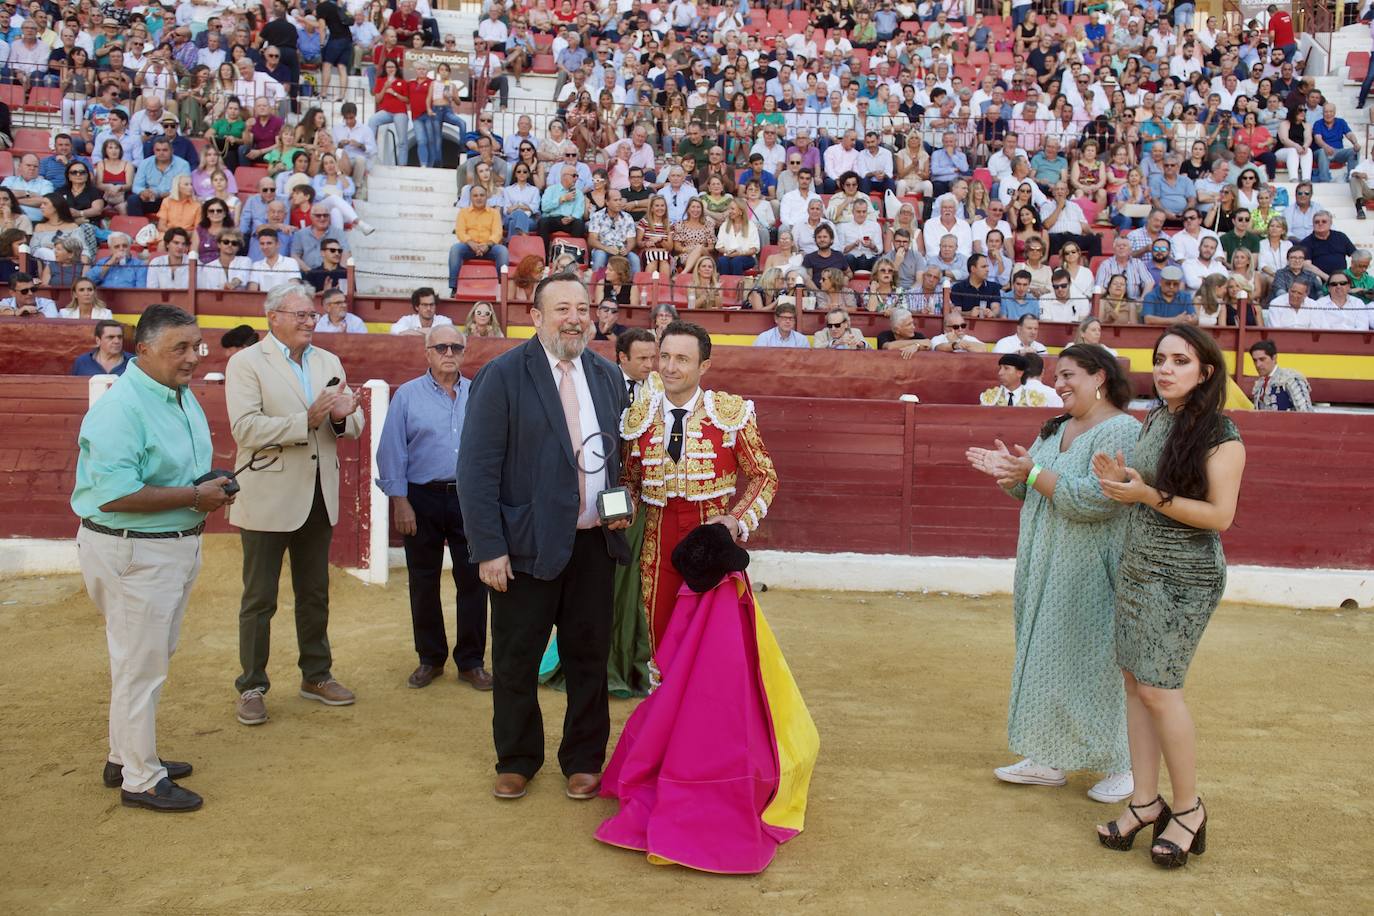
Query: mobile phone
332	382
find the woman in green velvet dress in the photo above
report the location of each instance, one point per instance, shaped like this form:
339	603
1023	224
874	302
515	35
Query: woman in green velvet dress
1181	485
1067	709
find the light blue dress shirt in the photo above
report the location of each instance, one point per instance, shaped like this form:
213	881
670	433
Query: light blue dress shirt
302	373
421	434
139	435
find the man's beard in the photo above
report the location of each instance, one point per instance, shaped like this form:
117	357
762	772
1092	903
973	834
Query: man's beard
561	346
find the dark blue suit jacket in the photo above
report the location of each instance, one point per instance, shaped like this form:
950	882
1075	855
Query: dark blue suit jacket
517	477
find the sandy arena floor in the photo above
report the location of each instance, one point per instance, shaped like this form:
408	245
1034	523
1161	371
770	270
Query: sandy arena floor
385	807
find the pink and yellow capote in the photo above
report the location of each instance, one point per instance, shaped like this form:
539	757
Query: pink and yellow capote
712	769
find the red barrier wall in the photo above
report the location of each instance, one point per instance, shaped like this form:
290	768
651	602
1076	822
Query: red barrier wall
937	378
863	476
41	417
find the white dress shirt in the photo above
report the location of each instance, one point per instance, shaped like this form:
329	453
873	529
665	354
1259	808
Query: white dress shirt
269	276
411	322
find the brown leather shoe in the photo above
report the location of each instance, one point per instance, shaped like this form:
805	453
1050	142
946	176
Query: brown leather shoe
510	786
423	676
583	786
330	693
477	677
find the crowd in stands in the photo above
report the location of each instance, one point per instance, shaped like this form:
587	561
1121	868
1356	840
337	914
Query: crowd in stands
1114	162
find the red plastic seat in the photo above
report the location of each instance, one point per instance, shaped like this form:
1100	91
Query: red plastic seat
31	140
43	99
1358	62
543	64
6	163
522	246
248	176
478	281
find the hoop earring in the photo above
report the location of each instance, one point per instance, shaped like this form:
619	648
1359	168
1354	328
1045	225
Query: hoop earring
1099	392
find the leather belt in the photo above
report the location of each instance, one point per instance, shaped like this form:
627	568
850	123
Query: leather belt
439	486
124	533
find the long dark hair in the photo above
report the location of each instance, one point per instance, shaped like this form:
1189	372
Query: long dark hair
1093	358
1182	469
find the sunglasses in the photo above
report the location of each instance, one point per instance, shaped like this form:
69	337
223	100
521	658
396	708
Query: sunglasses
453	348
24	290
1060	285
229	242
956	327
333	250
834	324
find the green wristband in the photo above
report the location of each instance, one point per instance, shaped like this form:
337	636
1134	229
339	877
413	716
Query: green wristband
1034	473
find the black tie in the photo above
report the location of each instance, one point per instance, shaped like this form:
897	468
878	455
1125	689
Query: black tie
1011	399
675	438
630	388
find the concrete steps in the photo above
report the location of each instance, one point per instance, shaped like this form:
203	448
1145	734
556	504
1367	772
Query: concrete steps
413	212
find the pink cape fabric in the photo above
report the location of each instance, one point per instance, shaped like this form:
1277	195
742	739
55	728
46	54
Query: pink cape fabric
697	763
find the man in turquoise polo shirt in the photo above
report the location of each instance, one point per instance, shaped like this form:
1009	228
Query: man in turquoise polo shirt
142	446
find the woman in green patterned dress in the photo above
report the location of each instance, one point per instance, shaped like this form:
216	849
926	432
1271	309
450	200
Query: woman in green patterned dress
1182	485
1067	709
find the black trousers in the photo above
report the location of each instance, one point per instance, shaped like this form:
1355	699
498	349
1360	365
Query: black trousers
308	547
579	603
438	521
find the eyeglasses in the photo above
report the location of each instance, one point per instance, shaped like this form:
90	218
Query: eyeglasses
1240	219
956	327
1063	251
78	172
834	324
319	216
1335	283
214	209
299	316
1190	216
453	348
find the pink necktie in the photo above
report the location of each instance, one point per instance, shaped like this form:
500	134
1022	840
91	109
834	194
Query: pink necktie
567	393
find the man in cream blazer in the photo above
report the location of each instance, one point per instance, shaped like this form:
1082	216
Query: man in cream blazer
279	393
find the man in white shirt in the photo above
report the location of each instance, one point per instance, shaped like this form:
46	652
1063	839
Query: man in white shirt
1206	264
999	163
1188	242
1025	340
1292	309
492	30
792	207
424	303
252	85
274	268
357	139
218	273
979	229
1340	311
169	271
784	333
678	192
874	166
840	158
1062	305
774	153
860	239
955	338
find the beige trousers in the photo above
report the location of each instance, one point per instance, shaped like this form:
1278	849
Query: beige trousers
141	586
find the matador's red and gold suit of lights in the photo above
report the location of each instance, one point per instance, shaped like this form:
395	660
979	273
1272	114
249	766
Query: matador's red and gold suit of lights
720	443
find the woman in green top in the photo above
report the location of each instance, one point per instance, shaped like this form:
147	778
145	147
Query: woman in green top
283	152
1182	486
193	100
1067	709
229	134
716	201
770	113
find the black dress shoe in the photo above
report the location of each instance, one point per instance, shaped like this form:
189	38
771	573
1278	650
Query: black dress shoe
165	796
114	773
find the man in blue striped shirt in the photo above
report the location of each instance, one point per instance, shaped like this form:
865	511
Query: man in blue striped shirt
417	466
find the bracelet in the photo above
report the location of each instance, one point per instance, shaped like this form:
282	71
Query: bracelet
1034	473
195	499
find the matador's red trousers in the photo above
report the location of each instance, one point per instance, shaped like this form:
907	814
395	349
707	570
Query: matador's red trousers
664	527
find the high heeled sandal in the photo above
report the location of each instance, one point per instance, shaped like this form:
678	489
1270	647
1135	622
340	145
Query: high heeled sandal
1174	855
1123	841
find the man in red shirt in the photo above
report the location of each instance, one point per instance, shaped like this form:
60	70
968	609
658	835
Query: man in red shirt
1281	28
389	48
405	21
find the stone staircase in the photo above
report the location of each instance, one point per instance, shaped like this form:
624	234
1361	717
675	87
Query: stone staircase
413	211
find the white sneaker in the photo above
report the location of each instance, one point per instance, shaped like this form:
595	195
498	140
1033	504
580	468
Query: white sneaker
1030	773
1113	788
